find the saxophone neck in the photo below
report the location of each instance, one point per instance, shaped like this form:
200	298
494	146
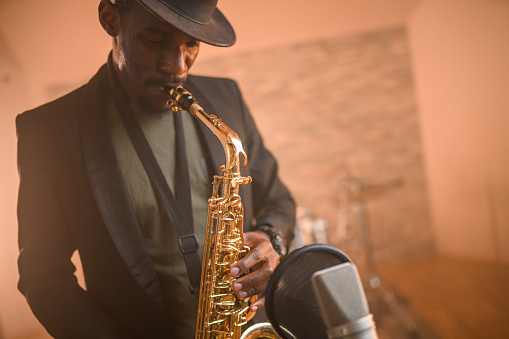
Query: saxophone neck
232	145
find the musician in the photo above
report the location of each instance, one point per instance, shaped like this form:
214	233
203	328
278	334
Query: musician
84	188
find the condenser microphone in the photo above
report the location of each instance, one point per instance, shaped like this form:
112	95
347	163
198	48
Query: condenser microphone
342	303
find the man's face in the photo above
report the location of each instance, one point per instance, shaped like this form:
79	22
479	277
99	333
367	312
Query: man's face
151	55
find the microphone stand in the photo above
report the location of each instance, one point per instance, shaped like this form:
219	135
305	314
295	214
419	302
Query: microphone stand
353	196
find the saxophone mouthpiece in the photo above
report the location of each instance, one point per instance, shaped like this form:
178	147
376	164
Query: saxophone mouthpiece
180	98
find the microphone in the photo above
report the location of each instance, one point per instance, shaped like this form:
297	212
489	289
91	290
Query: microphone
342	303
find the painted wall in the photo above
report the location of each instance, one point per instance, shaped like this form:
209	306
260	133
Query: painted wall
461	51
340	115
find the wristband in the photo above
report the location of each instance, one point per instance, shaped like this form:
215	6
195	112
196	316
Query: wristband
276	238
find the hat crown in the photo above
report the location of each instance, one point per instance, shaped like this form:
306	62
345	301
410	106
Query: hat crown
199	11
200	19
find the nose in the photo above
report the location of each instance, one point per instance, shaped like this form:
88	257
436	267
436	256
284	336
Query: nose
173	62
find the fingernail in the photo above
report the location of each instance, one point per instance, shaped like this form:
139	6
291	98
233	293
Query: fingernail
242	295
237	286
254	308
235	271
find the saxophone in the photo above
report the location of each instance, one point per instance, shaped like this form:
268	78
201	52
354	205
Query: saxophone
220	313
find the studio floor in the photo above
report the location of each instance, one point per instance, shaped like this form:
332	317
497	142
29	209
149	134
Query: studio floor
432	298
444	297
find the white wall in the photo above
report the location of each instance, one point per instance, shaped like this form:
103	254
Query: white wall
461	57
11	85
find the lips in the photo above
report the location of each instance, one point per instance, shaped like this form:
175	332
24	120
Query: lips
168	83
167	87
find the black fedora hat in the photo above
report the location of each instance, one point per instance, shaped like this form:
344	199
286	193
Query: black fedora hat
200	19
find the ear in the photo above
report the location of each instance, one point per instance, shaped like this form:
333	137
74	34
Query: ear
109	18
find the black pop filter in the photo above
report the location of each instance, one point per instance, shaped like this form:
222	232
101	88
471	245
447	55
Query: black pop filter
291	305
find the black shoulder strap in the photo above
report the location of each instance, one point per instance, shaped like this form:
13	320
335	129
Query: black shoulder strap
181	221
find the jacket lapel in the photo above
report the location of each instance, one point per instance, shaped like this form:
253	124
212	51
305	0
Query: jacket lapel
109	188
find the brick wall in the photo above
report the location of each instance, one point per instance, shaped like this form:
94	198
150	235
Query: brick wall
337	109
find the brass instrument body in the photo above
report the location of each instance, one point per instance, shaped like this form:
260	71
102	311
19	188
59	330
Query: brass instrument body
220	313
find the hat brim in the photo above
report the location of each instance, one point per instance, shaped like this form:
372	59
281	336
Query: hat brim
217	32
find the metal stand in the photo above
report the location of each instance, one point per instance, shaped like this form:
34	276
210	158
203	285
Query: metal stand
352	205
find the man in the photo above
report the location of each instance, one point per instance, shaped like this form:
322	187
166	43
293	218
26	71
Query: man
83	186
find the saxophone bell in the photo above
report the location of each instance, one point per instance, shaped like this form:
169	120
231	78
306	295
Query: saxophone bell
260	331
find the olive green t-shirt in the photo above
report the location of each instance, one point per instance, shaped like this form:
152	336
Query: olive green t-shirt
159	234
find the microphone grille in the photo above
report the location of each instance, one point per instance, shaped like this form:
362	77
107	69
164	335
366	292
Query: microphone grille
340	295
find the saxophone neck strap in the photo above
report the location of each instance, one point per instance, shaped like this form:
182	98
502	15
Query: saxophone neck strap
179	208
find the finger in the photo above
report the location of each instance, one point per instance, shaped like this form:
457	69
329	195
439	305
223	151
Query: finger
259	303
254	256
253	283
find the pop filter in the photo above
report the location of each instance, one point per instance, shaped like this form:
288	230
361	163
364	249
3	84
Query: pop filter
291	305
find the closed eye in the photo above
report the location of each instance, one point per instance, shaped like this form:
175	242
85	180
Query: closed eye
154	38
193	43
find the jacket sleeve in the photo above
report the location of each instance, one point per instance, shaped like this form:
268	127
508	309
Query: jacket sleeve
273	204
46	245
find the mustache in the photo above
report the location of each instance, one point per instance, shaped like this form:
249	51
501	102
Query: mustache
167	82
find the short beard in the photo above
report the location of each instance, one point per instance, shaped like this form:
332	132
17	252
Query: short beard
146	107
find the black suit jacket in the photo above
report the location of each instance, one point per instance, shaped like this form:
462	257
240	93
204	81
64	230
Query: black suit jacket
72	197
